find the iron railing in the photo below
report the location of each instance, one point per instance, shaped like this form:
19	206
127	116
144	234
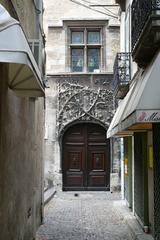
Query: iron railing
142	10
121	70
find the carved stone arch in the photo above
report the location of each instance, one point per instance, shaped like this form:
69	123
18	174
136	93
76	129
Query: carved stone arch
76	122
83	99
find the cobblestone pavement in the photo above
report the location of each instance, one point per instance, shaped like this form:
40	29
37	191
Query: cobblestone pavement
88	216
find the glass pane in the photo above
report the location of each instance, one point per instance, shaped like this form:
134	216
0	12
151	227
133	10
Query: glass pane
93	59
36	53
77	37
93	37
77	60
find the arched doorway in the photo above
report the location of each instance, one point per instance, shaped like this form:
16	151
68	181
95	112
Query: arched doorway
86	158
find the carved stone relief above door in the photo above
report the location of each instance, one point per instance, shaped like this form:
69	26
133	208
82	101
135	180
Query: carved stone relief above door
84	99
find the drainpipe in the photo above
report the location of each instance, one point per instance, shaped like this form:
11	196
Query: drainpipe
37	18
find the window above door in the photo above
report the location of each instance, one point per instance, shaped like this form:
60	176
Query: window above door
85	45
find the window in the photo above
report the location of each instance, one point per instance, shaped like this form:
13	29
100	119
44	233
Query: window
85	49
93	59
77	37
93	37
77	60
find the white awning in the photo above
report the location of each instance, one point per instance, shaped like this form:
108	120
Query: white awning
142	103
115	126
24	77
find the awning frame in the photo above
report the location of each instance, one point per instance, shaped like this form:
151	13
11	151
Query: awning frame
24	76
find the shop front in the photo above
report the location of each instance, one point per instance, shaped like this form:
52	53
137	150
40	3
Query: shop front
138	117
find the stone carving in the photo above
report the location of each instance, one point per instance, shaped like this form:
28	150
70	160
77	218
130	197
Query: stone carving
83	103
103	81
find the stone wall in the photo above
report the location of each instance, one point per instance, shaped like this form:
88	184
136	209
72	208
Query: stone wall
87	98
71	97
57	17
57	56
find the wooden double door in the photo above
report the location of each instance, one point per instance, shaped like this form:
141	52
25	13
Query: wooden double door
86	161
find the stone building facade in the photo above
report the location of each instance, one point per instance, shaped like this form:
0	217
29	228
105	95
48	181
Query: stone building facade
81	42
21	121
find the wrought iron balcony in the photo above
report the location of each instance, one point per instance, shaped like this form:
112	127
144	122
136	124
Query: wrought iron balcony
121	77
145	30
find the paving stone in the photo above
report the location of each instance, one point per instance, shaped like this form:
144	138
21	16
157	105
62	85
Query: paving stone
88	216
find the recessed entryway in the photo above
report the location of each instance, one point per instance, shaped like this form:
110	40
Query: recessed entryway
86	158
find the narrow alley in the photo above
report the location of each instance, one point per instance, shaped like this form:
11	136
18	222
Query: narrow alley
80	120
84	216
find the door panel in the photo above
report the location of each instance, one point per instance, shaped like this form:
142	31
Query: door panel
74	166
85	158
98	161
96	167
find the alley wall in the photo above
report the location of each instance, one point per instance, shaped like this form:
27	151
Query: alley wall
21	146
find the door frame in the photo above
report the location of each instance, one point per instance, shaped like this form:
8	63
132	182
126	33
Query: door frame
61	137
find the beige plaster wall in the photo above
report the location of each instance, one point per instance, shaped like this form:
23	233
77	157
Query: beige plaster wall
27	16
21	147
21	163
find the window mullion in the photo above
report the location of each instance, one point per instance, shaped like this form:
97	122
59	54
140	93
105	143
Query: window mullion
101	51
85	50
69	62
101	58
70	58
